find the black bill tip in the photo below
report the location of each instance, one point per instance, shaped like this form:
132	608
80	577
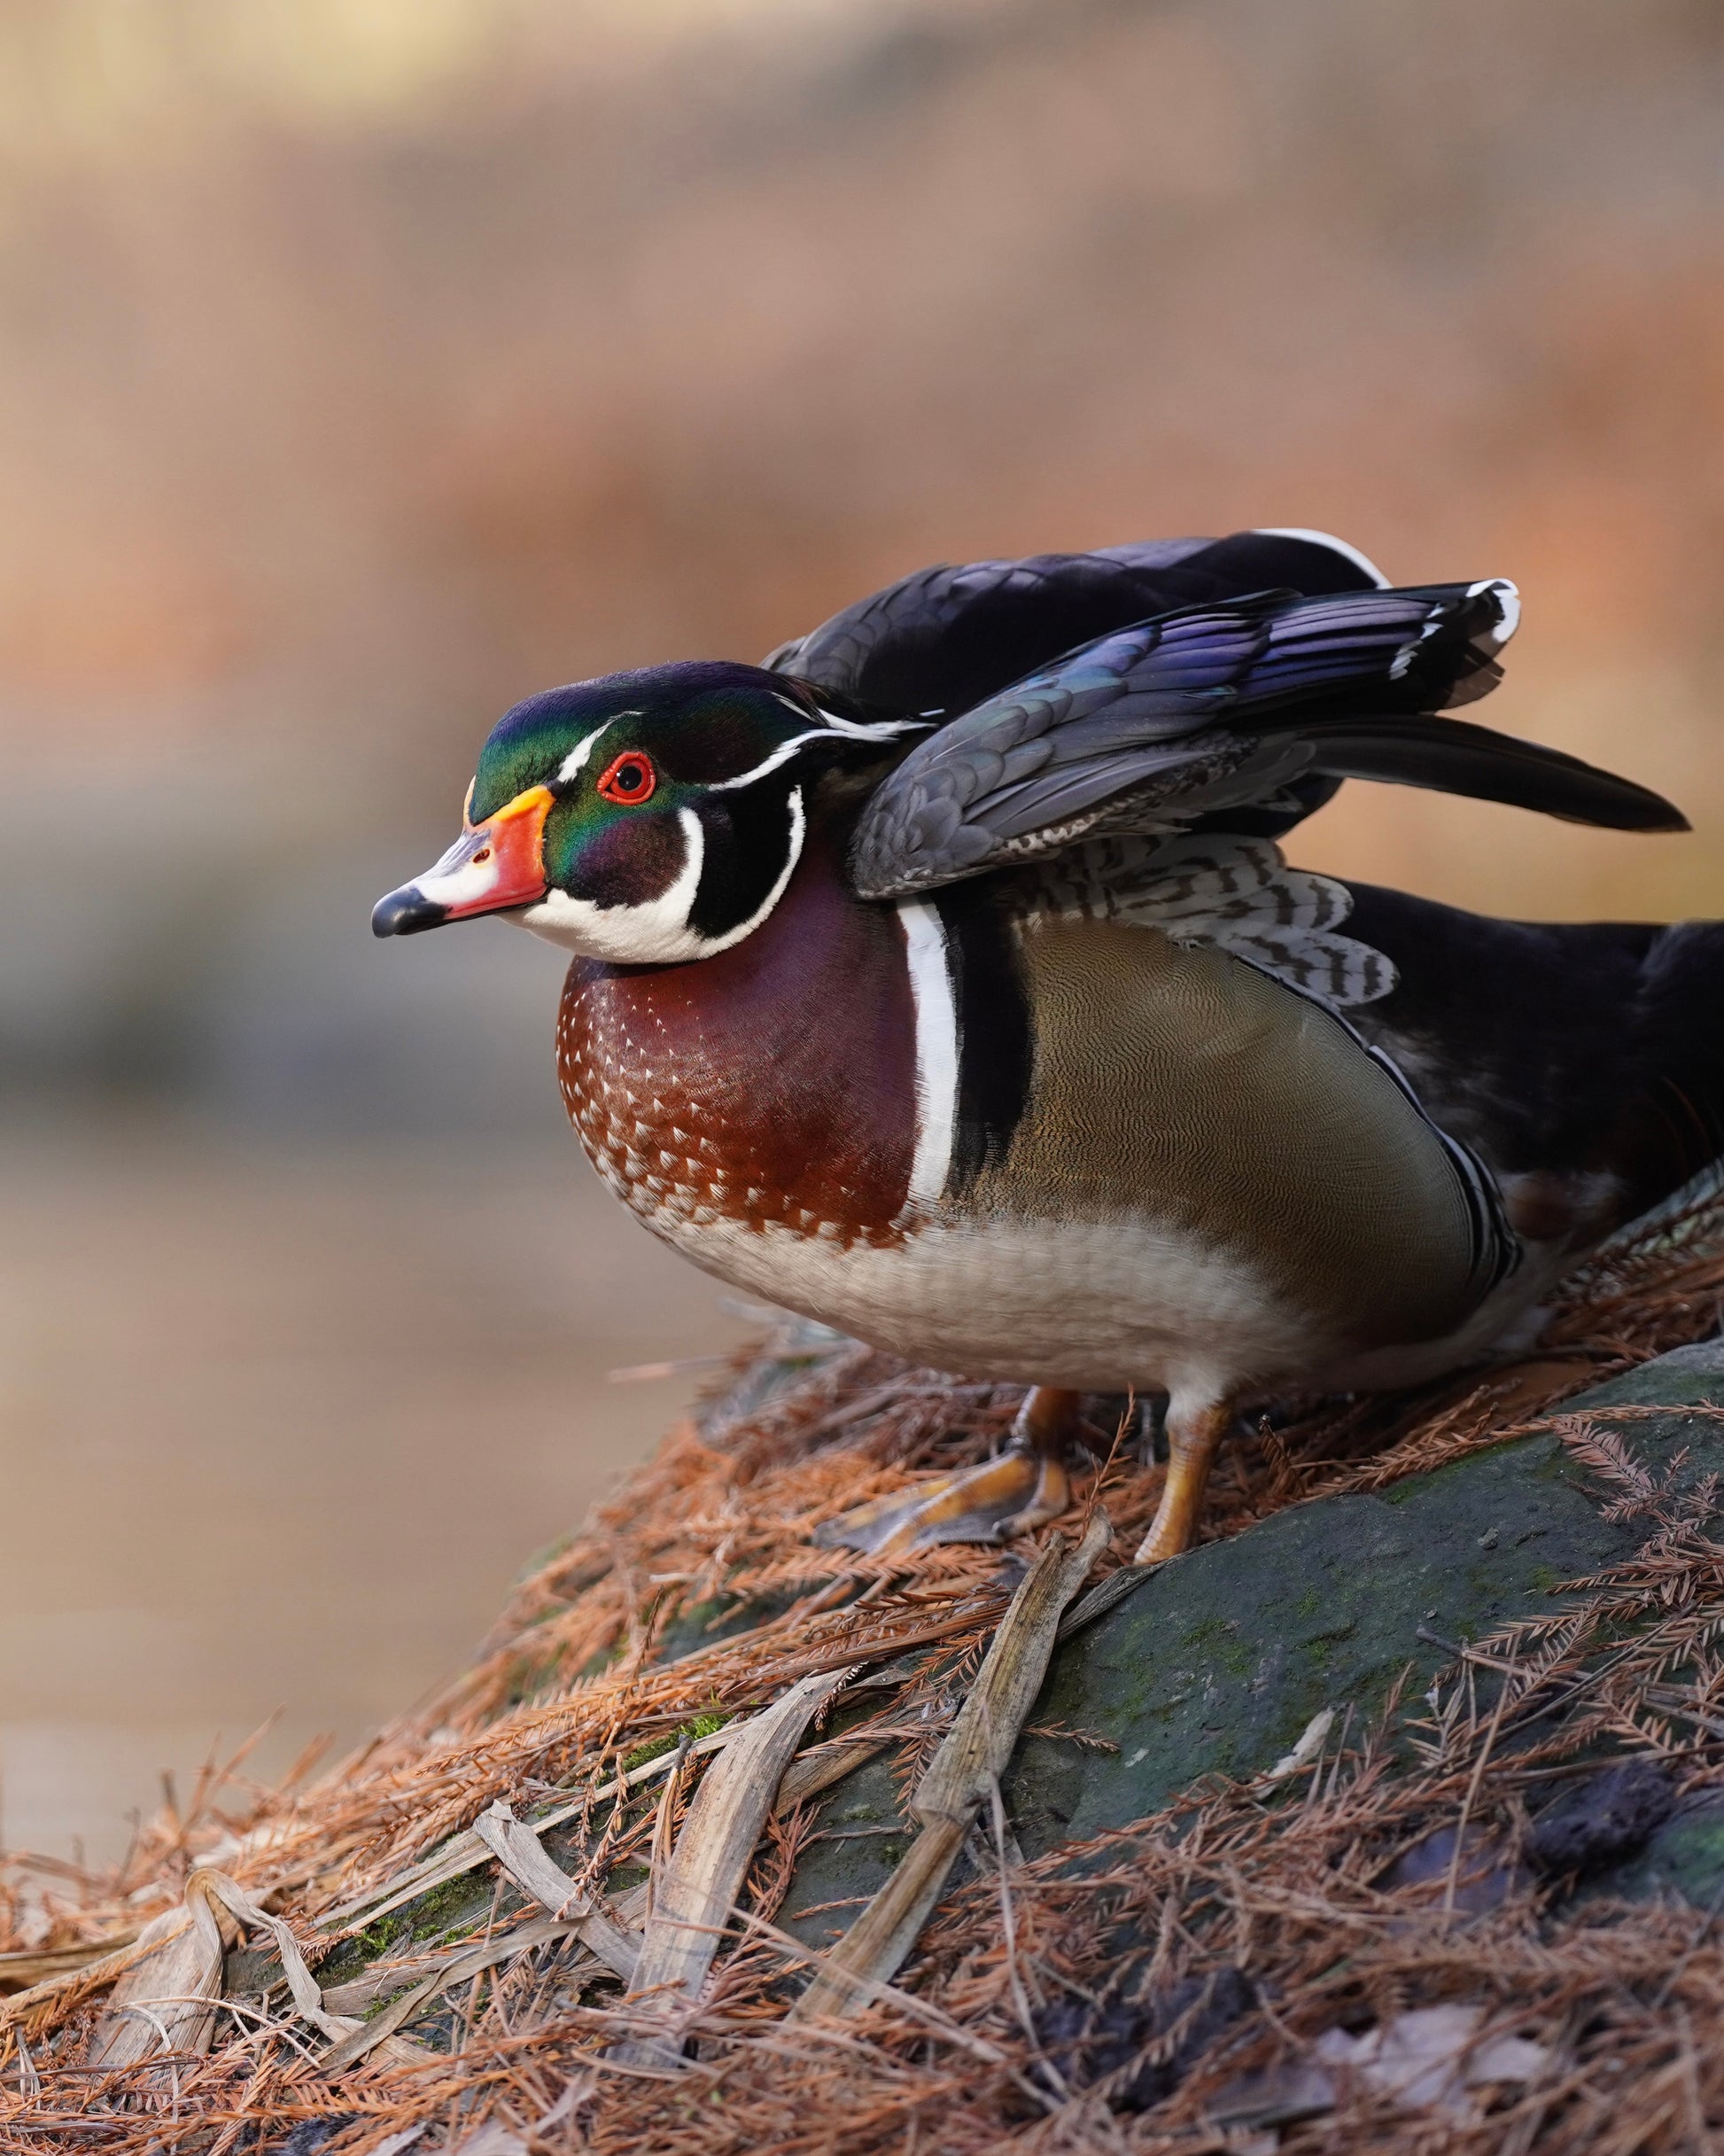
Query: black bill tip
407	912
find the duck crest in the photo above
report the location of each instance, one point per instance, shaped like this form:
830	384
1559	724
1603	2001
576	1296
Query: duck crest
773	1085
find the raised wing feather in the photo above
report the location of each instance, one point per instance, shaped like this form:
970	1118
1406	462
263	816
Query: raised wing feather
940	641
1216	709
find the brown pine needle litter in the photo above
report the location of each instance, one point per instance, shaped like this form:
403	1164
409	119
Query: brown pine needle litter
1304	1962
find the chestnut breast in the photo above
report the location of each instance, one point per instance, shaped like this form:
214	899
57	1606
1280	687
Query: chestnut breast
772	1084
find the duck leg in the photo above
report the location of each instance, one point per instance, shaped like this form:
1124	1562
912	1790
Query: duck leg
1194	1434
1024	1487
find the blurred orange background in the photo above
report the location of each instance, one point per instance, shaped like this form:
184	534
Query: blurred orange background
367	364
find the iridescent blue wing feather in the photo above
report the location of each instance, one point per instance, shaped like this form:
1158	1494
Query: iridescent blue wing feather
1214	712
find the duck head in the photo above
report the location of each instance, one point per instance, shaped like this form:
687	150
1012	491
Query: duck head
645	819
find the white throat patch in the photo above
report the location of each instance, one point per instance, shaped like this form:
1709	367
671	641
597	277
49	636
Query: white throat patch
658	932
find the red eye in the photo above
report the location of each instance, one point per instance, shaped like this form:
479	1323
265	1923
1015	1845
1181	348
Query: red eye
628	779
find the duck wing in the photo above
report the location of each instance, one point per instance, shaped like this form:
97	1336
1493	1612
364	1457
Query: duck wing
942	640
1214	712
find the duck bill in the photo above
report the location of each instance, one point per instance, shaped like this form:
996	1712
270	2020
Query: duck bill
493	867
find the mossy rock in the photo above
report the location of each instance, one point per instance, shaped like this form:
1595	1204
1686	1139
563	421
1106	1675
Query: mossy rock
1218	1661
1215	1663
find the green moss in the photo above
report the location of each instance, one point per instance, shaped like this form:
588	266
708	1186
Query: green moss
376	1939
451	1907
703	1725
382	1999
456	1905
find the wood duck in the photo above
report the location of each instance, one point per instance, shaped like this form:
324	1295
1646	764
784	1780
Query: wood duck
943	979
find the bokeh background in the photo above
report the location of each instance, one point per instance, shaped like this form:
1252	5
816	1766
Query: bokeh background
367	364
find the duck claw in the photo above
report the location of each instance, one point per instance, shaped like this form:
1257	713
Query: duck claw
1019	1490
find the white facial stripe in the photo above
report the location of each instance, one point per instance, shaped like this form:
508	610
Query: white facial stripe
799	832
658	931
936	1051
858	730
886	730
783	754
576	759
873	729
1335	546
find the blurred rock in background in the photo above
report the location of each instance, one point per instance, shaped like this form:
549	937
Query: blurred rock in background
367	364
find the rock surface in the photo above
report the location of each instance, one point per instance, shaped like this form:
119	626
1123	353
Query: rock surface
1219	1661
1216	1663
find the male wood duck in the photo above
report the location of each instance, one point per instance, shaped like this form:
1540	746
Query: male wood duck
943	979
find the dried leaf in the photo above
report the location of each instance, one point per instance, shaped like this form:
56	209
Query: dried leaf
166	1999
969	1761
1431	2058
521	1855
693	1902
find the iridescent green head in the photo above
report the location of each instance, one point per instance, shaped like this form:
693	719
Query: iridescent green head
645	818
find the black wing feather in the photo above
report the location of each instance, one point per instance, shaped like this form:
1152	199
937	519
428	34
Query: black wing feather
1452	756
1148	720
946	638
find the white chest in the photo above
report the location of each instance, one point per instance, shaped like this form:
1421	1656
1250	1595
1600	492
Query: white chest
1098	1306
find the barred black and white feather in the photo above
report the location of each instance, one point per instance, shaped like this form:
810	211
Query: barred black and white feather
1235	895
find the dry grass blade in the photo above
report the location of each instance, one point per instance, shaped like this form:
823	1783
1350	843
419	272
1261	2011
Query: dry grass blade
521	1855
980	1741
697	1590
157	2006
28	1967
972	1756
465	1852
707	1866
473	1962
166	2000
880	1942
300	1981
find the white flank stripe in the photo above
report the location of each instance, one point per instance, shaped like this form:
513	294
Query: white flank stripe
1326	539
936	1051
